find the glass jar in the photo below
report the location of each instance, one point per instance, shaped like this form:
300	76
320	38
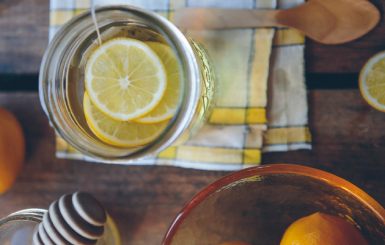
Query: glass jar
61	81
19	228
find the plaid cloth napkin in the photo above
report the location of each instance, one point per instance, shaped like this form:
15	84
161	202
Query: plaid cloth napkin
246	119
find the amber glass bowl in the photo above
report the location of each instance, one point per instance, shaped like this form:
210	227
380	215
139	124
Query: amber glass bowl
256	205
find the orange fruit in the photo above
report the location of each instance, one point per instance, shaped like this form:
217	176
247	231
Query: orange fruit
321	229
12	149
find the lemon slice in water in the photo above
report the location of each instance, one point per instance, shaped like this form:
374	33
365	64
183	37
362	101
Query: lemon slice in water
119	133
169	103
125	79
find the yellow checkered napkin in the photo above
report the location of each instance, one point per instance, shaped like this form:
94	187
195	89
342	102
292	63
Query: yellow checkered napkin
238	130
287	100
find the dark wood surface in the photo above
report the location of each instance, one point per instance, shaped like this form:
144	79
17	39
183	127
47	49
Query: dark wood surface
349	140
24	31
348	135
23	35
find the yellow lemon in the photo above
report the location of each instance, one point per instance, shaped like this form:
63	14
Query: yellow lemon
125	78
119	133
112	235
321	229
169	103
372	81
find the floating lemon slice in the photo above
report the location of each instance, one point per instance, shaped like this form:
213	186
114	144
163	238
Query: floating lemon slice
372	81
169	103
125	79
119	133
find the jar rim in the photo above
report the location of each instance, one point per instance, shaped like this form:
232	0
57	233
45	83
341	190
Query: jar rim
31	214
189	100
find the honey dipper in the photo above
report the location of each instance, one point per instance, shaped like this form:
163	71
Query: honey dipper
73	219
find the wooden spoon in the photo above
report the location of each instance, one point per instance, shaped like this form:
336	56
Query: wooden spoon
325	21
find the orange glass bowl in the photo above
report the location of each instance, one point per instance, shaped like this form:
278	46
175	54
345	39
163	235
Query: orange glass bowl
256	205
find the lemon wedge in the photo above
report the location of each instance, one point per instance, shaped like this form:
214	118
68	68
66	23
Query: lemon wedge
372	81
125	79
169	103
119	133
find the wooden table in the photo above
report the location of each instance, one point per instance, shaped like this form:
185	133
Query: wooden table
348	135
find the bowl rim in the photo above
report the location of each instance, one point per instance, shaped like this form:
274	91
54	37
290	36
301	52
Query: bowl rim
267	169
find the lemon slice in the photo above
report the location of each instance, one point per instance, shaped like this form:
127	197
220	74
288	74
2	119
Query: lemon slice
125	79
111	234
119	133
169	103
372	81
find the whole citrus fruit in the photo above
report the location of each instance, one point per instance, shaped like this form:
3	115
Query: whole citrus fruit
321	229
12	149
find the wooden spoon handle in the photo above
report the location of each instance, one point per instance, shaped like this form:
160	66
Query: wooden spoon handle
214	18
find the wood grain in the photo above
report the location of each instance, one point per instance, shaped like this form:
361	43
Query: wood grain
346	58
349	141
24	35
